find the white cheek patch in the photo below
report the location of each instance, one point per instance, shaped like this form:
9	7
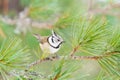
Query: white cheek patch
53	42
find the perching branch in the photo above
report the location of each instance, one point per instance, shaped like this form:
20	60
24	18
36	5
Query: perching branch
73	57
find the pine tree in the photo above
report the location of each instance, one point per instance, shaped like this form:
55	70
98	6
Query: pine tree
91	49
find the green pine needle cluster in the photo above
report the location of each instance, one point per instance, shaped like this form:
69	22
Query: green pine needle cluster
12	56
95	38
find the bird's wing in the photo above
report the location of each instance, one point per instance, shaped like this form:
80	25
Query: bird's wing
43	39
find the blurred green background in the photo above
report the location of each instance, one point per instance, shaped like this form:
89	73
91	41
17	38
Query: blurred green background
23	18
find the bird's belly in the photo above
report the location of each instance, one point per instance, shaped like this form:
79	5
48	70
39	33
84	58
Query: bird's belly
53	50
48	49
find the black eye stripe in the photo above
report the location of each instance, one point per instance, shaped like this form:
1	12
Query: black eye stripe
52	39
55	38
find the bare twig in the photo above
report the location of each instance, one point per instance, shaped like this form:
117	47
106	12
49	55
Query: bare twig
90	4
23	20
105	11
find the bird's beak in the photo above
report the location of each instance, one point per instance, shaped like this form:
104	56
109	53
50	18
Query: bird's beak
63	41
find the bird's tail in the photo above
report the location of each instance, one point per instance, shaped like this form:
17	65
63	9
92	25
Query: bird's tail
37	36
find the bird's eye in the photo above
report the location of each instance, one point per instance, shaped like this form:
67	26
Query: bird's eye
58	40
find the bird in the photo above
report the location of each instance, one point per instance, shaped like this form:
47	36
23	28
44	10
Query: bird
49	44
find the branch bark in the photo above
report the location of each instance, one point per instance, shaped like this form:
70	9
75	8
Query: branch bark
74	50
73	57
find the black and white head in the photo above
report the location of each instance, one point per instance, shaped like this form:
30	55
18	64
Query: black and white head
55	40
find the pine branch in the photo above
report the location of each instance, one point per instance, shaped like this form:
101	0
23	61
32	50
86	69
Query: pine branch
56	77
73	57
26	74
74	50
